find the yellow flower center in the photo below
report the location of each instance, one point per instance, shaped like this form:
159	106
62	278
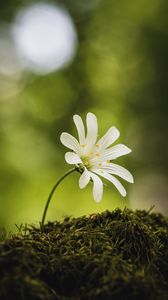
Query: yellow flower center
87	158
86	161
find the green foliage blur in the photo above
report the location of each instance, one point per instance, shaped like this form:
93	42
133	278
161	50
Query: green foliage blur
119	72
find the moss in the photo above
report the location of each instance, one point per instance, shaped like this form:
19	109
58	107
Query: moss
112	255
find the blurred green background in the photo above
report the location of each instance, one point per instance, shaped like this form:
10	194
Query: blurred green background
109	57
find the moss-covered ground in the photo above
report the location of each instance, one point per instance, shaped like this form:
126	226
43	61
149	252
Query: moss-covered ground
112	255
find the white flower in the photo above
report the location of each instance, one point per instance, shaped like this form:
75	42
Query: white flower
94	158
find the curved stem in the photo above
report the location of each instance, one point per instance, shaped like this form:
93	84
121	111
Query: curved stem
51	193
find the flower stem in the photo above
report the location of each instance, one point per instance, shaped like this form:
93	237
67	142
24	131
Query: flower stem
51	194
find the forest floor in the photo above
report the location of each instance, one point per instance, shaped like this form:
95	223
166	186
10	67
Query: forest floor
111	255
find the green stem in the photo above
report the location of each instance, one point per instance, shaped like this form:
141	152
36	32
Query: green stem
52	192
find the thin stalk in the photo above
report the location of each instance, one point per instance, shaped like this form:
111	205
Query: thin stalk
51	194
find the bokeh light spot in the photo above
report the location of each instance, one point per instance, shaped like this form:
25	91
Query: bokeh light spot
45	37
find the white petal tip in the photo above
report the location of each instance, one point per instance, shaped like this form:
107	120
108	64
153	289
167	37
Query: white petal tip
81	186
75	116
98	200
130	178
91	114
115	128
72	158
61	136
126	150
66	159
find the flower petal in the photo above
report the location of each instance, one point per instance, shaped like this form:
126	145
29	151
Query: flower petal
113	153
92	129
84	179
113	180
72	158
80	128
70	142
117	170
109	138
97	187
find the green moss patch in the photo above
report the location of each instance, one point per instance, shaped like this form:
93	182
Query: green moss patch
112	255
